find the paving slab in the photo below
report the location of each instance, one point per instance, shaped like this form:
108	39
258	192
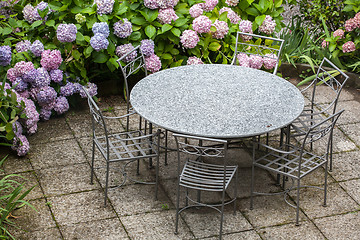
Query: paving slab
48	233
109	229
343	226
353	189
16	164
155	225
325	95
352	131
351	114
306	230
29	179
346	165
249	235
80	207
56	154
67	179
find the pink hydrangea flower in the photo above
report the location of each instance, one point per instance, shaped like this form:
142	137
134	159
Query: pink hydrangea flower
194	61
351	24
324	44
167	3
255	61
22	67
167	15
348	47
153	63
221	29
196	10
339	33
268	25
231	15
51	59
189	39
243	59
152	4
202	24
246	27
209	5
232	3
269	61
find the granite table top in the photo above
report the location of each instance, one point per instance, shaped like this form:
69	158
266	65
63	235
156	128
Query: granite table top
217	101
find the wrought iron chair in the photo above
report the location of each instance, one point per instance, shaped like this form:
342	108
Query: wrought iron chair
295	162
128	68
334	80
200	176
120	146
259	45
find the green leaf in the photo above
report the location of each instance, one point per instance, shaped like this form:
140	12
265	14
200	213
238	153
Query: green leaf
76	10
259	19
10	135
252	11
134	6
76	54
111	48
150	31
88	10
88	51
223	16
174	51
100	57
332	47
166	56
180	22
8	127
278	3
166	27
135	36
79	37
348	8
250	1
50	23
176	32
214	46
138	20
6	31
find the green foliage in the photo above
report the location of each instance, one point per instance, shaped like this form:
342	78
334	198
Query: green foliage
12	194
10	111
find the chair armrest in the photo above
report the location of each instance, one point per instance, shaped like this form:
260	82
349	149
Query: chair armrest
276	149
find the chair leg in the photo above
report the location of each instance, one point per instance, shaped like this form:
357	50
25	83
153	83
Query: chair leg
252	176
331	151
157	165
166	147
235	189
92	164
325	184
298	203
106	181
177	207
222	214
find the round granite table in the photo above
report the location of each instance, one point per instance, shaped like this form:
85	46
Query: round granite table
217	101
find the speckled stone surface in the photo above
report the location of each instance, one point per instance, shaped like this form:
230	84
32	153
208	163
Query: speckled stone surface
219	101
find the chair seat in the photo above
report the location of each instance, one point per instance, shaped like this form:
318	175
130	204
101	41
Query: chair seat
287	163
207	177
302	124
126	146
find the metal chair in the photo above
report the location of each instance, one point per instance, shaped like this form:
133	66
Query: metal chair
295	162
120	146
200	176
258	45
334	80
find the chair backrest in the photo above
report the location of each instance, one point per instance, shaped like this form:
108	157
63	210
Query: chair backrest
322	129
334	79
258	45
185	144
128	68
97	119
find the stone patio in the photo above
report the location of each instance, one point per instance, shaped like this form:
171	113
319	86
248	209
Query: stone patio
69	207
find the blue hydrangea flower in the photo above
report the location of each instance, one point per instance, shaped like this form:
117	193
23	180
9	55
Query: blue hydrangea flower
43	78
104	6
23	46
101	27
147	47
30	76
5	55
99	42
37	48
19	85
56	75
46	95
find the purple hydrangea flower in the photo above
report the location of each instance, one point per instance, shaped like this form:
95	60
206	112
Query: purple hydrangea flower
255	61
43	78
45	114
92	90
5	55
23	46
167	3
46	95
19	85
202	24
30	76
194	61
29	13
339	33
22	67
147	47
51	59
123	28
17	128
232	3
243	59
66	32
246	27
99	42
348	47
37	48
231	15
221	29
270	61
124	49
152	4
153	63
21	145
67	90
196	10
167	15
32	116
24	94
268	25
101	27
11	74
56	75
104	6
189	39
61	105
209	5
